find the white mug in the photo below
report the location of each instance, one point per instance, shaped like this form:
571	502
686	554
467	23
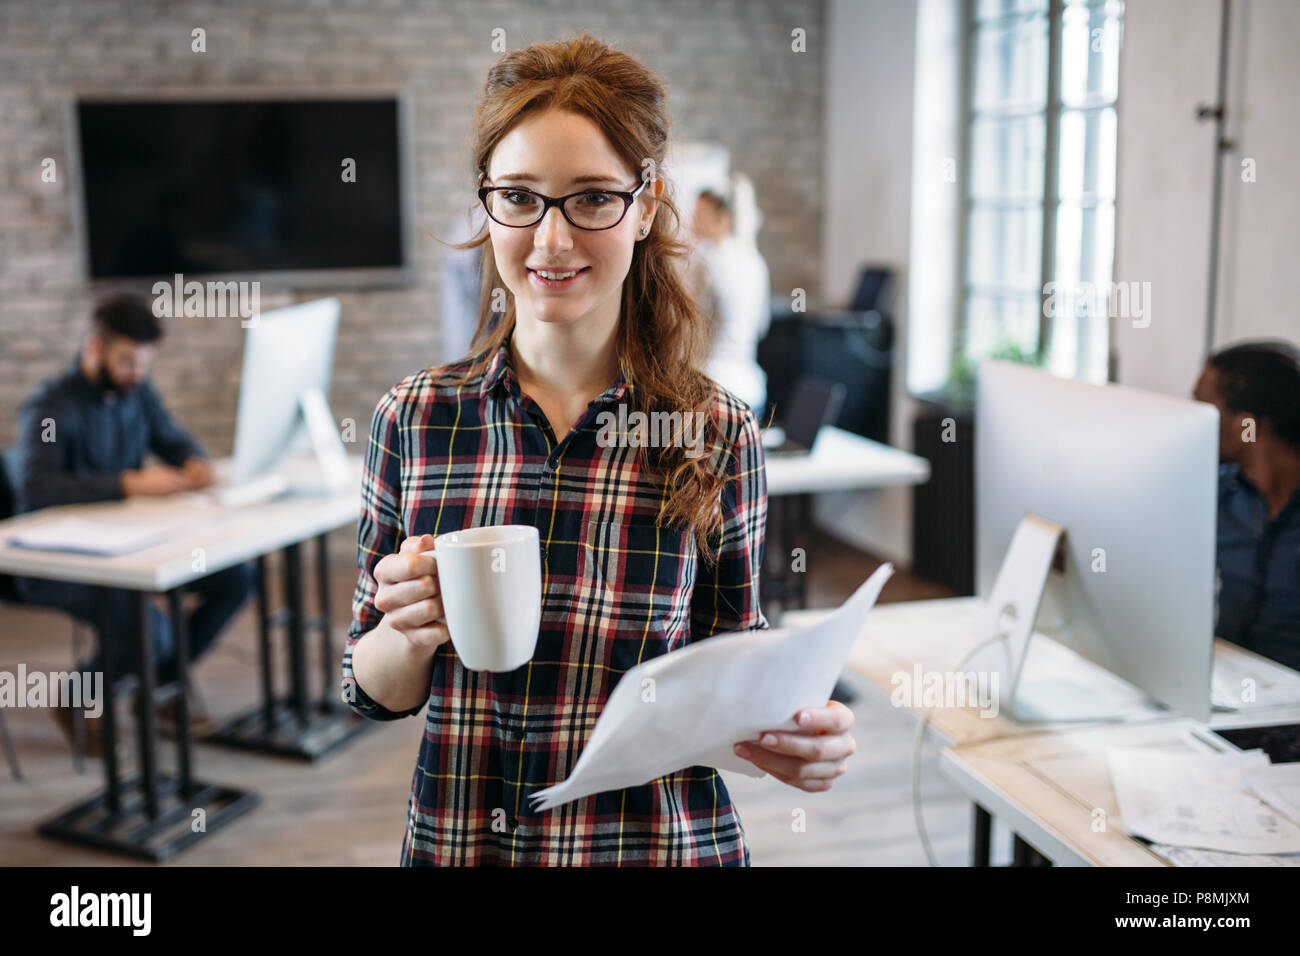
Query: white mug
490	582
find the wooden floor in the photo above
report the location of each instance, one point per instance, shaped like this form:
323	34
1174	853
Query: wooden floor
350	807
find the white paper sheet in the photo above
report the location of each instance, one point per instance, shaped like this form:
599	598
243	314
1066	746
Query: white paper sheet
1190	856
84	536
688	708
1278	785
1198	800
1270	683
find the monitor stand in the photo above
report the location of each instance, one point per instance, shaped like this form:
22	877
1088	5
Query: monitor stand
327	469
1045	682
1006	620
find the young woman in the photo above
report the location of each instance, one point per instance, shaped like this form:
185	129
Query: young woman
645	549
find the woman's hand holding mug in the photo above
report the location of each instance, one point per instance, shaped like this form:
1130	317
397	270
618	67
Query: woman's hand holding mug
409	594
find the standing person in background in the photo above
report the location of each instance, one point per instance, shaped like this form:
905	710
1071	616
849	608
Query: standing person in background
732	280
461	285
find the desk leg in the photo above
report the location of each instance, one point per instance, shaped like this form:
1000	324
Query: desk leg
264	646
1023	854
780	584
112	788
297	644
786	558
327	661
298	724
801	509
148	816
140	607
981	836
180	630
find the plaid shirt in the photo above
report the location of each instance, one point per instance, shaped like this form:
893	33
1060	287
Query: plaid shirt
617	590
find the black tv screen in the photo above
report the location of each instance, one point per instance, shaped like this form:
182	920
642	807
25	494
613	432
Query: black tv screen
241	186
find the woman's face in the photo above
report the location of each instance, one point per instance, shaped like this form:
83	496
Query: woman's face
556	153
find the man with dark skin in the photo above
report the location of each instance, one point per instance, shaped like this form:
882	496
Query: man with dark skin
1256	388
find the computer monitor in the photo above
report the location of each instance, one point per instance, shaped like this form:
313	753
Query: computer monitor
288	353
1131	476
814	405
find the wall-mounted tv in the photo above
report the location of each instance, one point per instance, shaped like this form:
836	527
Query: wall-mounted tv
293	190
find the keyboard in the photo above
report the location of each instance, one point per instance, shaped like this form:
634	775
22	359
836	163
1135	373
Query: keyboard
251	492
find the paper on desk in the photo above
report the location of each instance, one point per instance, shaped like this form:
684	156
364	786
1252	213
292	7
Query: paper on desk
1190	856
1270	684
84	536
1278	785
1198	800
711	695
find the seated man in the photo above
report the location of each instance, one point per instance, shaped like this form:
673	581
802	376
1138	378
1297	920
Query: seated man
1256	387
83	435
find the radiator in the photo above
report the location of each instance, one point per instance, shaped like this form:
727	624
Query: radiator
943	513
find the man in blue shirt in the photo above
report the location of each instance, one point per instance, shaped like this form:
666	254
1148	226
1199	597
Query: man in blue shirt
1256	387
83	436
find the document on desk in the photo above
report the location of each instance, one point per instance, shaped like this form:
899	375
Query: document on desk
1198	800
1245	681
1190	856
687	708
1278	785
84	536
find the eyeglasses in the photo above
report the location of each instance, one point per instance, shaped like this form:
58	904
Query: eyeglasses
591	209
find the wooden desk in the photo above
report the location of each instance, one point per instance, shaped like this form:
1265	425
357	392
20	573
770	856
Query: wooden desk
1054	790
936	634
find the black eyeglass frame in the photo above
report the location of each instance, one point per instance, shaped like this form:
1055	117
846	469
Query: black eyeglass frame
549	201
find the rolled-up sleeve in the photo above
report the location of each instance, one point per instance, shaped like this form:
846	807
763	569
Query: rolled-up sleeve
726	595
379	534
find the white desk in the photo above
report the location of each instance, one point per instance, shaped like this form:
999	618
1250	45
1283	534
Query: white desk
226	536
843	461
838	461
149	815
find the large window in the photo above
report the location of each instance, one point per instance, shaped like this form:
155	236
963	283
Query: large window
1039	212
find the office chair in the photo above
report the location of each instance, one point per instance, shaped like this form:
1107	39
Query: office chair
9	470
8	593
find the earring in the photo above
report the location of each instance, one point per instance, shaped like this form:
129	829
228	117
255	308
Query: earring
644	230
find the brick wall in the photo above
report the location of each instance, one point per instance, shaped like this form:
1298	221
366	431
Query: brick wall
732	78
